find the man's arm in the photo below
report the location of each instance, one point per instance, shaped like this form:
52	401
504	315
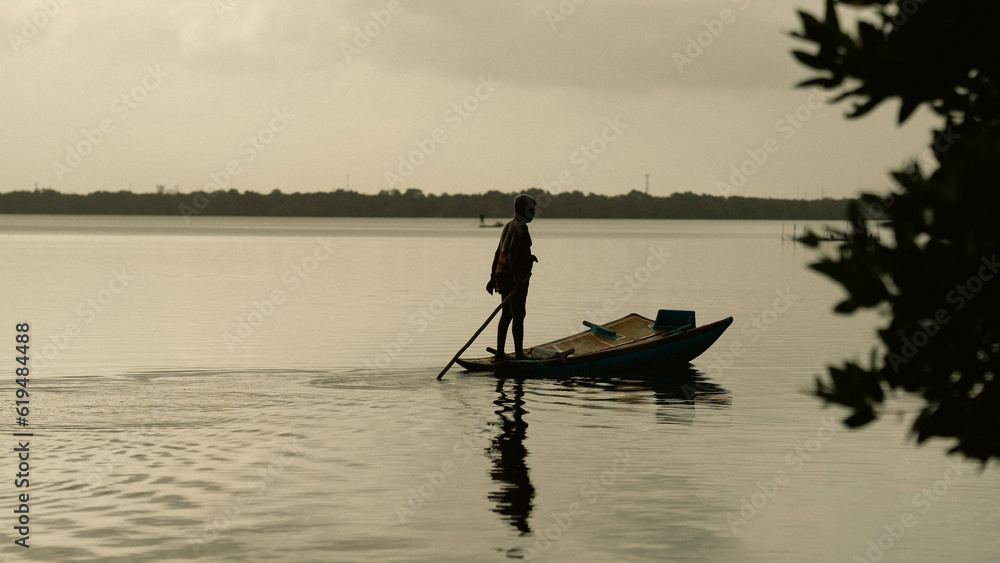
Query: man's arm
496	259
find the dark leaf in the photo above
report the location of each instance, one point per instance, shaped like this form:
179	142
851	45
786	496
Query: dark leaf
824	82
861	109
870	36
907	108
809	59
847	307
859	418
831	14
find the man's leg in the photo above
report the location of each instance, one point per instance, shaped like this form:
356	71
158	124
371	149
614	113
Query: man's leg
505	318
519	338
518	312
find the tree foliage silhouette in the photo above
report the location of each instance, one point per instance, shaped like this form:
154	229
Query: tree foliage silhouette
938	280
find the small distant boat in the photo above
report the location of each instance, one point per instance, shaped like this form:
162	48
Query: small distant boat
630	343
831	235
484	225
828	237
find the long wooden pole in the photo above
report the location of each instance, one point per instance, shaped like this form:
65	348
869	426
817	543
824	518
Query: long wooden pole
482	328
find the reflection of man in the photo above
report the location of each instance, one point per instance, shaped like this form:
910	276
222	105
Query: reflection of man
515	495
511	269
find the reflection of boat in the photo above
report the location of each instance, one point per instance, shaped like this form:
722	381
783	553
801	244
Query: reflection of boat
677	391
630	343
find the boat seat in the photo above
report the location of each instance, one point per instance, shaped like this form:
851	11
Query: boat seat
673	321
602	330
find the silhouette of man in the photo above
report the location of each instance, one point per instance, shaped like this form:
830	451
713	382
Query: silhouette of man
511	269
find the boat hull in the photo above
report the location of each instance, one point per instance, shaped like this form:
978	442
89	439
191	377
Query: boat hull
656	350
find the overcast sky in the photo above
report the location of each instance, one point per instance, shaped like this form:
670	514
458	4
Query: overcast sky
443	96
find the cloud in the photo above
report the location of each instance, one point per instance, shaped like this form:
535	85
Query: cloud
593	45
605	46
260	36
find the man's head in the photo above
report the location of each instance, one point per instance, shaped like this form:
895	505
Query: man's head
524	208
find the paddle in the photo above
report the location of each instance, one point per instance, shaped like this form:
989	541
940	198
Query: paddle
482	328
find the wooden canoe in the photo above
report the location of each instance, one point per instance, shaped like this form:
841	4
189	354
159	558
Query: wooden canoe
631	343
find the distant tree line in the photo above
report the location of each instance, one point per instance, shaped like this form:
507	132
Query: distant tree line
414	203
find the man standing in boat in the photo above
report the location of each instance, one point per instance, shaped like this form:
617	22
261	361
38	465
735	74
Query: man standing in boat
511	270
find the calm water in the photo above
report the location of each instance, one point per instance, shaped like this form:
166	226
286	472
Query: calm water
263	389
